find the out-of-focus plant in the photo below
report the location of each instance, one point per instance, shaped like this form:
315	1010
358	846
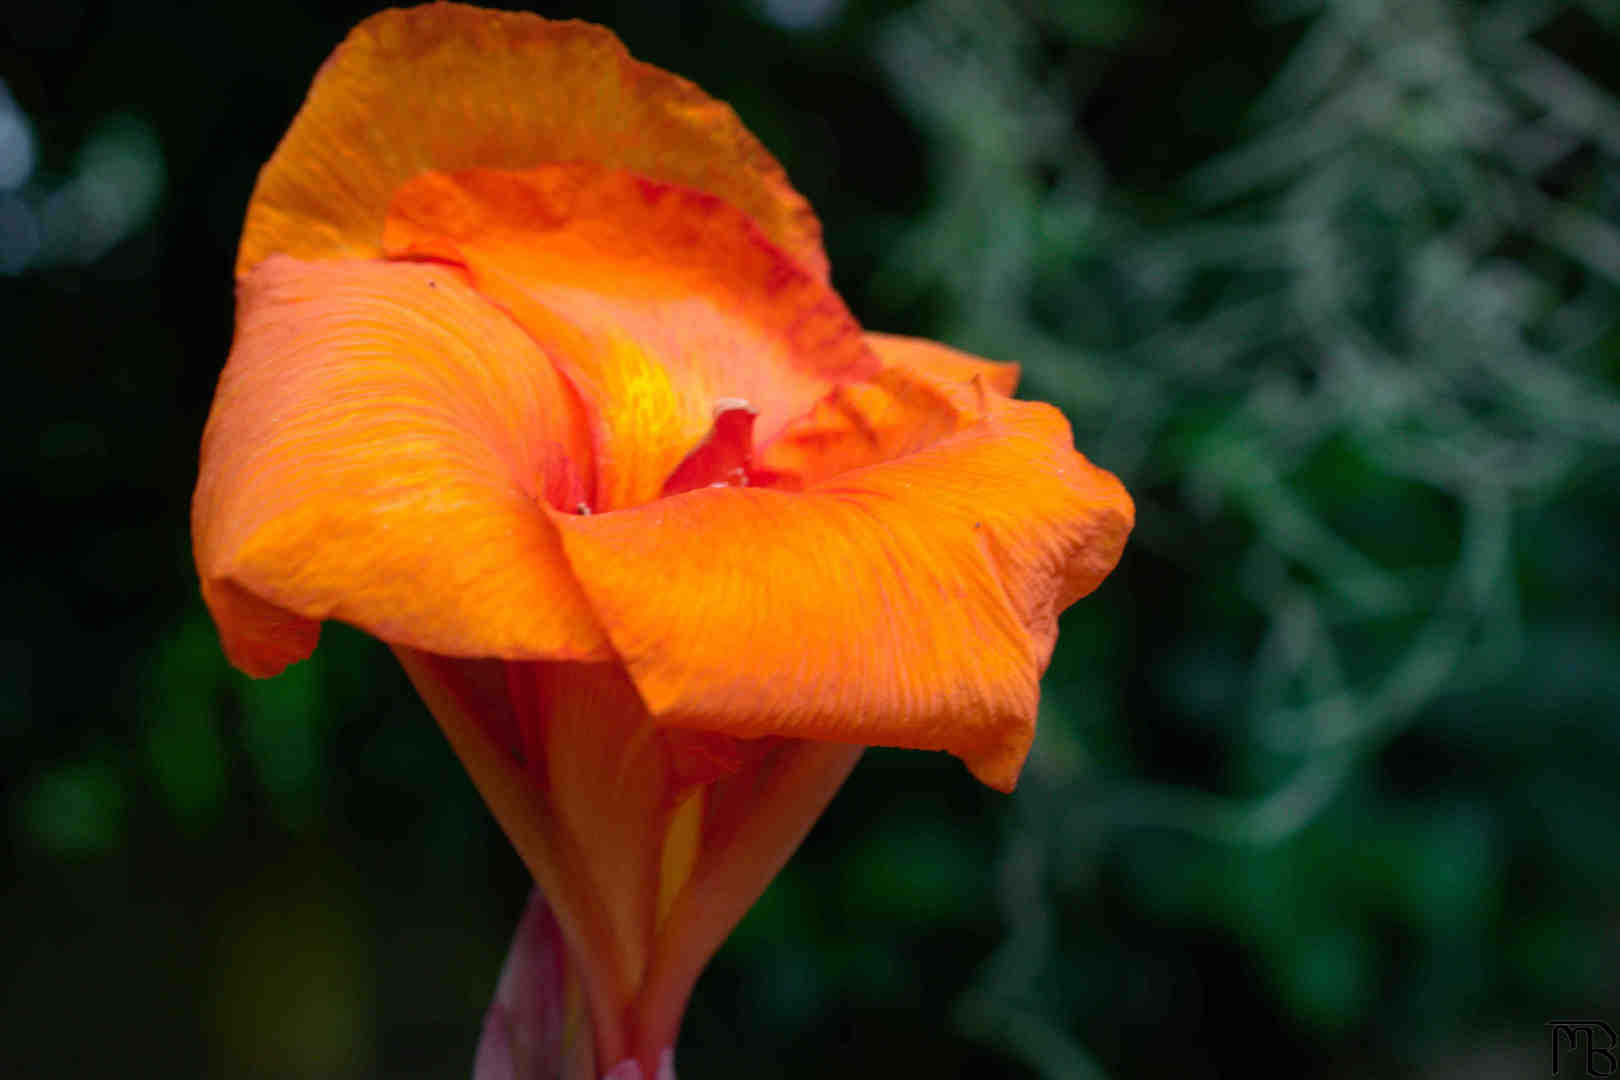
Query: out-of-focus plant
1348	363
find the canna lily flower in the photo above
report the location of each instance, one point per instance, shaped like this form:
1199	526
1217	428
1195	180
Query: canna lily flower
538	378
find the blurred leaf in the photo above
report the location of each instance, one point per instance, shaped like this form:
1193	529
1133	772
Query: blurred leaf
184	746
284	721
76	809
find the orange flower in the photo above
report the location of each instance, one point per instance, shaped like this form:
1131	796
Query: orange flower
538	377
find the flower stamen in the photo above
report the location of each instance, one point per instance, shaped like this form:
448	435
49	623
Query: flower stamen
725	458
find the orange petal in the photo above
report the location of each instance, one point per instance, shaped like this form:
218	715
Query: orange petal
911	603
658	301
894	413
942	362
379	446
447	87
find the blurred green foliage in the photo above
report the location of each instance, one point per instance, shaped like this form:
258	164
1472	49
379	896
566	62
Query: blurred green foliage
1326	773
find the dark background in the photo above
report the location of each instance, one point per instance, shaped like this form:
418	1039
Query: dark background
1326	778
